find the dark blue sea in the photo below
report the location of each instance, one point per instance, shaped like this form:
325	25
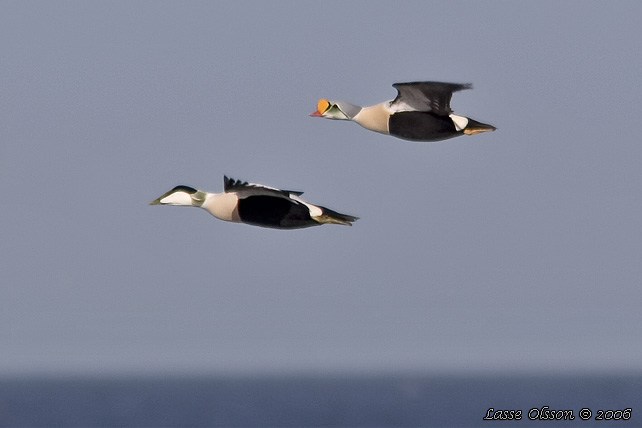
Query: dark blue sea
321	401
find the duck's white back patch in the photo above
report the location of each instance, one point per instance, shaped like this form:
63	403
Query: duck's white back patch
314	210
460	121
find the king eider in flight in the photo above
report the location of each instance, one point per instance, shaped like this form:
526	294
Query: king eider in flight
420	112
255	204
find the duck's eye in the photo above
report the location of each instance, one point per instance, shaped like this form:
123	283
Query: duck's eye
323	105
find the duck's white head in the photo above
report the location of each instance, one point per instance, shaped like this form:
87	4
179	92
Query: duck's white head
338	110
183	196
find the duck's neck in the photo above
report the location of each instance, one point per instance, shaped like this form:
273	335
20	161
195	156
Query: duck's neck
374	118
223	206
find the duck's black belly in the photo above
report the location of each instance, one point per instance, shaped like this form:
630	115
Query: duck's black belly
274	212
421	126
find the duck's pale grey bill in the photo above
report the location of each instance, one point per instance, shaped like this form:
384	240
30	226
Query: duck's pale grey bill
156	201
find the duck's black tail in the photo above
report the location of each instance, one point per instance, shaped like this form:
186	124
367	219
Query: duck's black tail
330	216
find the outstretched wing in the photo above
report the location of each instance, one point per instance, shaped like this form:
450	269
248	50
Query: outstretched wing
431	97
249	189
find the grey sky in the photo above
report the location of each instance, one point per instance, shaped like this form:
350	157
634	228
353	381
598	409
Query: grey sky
515	250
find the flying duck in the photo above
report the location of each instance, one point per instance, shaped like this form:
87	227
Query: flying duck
255	204
420	112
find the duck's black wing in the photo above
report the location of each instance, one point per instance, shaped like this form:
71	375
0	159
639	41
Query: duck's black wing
433	97
268	206
243	188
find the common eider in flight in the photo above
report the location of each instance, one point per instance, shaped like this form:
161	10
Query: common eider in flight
255	204
420	112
